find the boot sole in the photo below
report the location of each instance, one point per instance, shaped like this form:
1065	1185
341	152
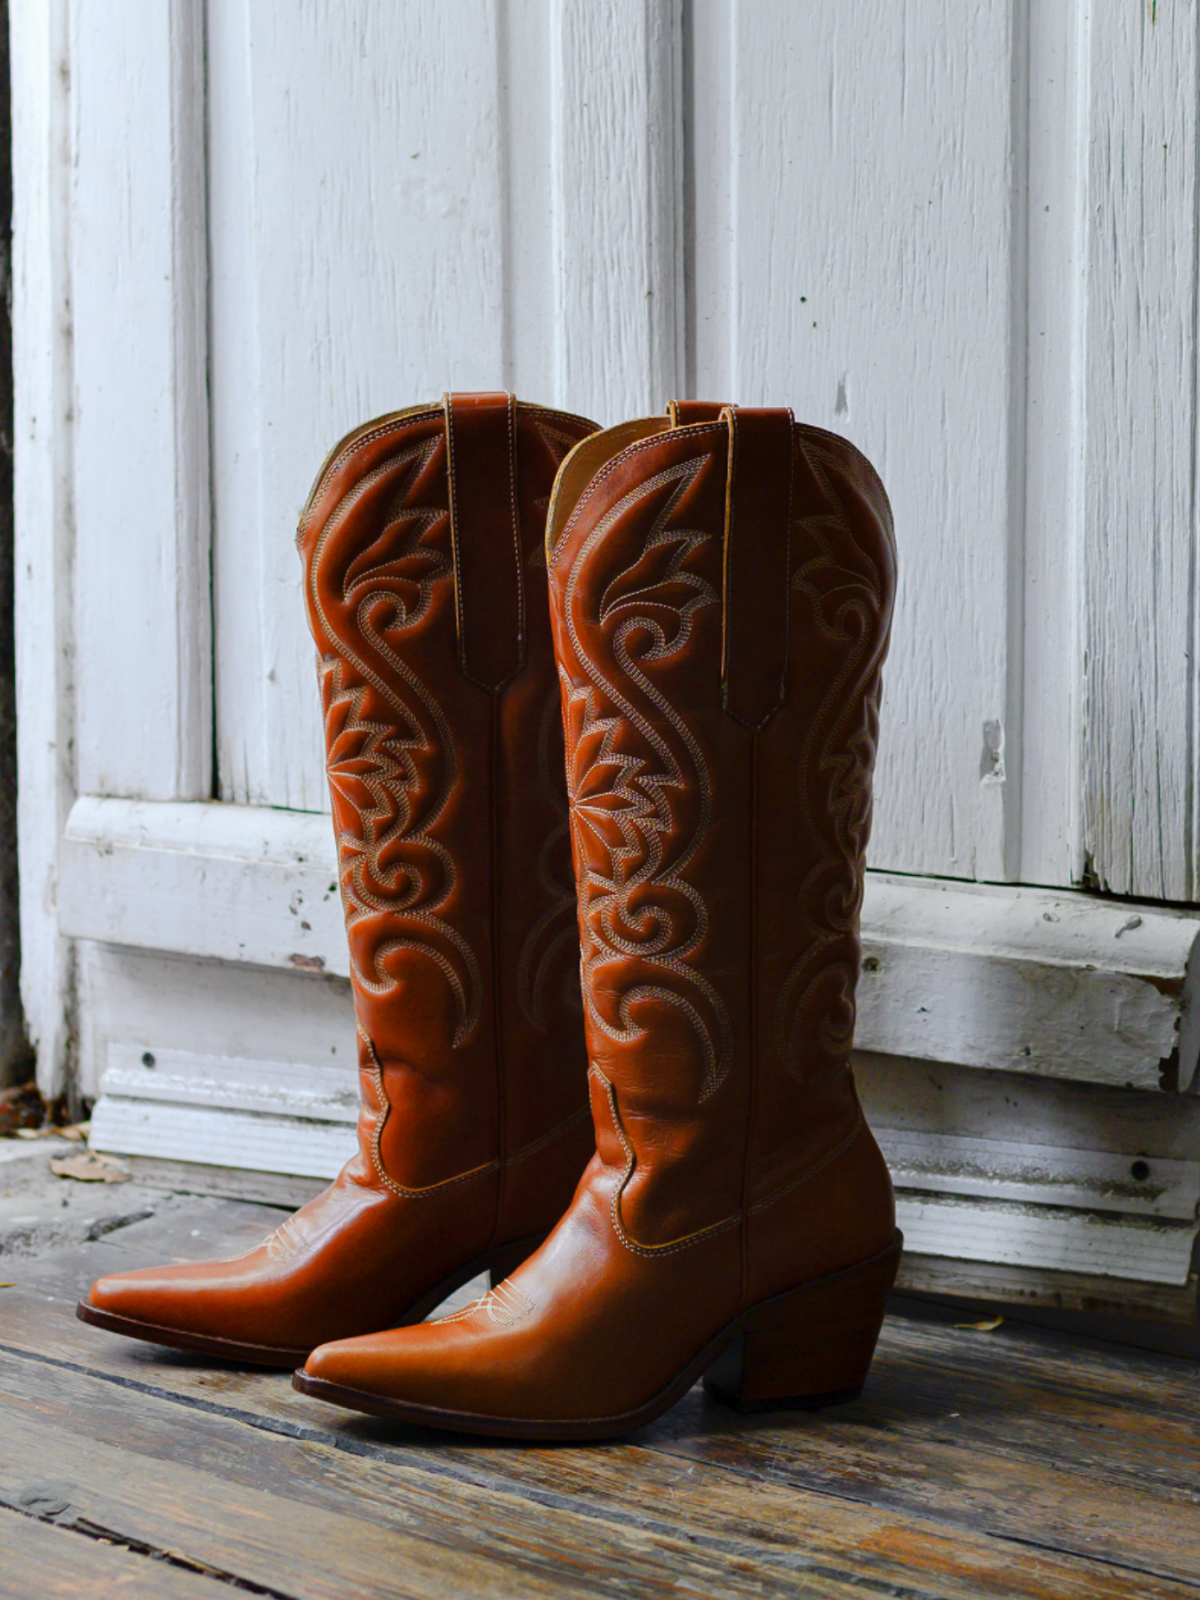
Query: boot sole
498	1263
733	1386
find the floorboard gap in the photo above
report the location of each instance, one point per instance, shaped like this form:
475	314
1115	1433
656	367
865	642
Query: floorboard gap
138	1547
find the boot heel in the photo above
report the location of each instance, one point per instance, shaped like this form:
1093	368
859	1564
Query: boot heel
510	1256
811	1346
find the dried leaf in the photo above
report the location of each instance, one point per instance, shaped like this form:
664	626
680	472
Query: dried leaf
981	1327
75	1131
90	1167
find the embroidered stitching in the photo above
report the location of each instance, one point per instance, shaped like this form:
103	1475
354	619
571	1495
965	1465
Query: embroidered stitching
611	466
633	900
391	864
833	790
357	441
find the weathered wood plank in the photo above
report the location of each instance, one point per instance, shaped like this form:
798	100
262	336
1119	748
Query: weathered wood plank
44	531
1032	1452
474	1499
357	238
617	205
254	1536
1166	1307
854	258
1020	1436
143	596
41	1559
155	1000
1138	472
1028	980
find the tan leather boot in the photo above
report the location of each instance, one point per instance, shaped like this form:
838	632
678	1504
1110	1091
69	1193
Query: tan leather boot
425	581
722	591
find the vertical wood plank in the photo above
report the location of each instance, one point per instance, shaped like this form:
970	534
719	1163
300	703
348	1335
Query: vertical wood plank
358	247
1139	785
855	258
139	275
42	491
1049	632
616	94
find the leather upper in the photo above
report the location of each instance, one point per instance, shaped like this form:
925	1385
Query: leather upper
425	587
721	593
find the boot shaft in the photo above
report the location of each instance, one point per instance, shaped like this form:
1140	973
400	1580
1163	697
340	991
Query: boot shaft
425	585
721	593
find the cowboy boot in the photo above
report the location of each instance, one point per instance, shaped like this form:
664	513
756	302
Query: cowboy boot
721	593
425	583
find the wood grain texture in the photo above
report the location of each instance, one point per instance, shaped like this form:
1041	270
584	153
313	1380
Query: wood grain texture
143	607
854	259
617	204
1025	980
1052	101
42	1559
1009	1463
42	514
357	266
1139	780
139	1000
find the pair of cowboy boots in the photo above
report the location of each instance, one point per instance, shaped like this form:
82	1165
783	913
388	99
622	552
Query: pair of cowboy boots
720	592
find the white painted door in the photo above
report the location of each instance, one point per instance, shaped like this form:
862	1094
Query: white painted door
904	220
962	234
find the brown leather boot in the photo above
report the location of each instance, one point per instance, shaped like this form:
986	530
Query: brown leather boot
722	592
425	581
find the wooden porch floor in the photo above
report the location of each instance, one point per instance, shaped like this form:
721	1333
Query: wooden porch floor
1012	1462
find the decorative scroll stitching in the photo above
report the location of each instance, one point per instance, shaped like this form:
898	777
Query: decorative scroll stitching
392	865
631	901
833	792
611	466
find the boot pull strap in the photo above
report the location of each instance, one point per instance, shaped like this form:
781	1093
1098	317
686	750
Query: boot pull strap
682	413
757	578
485	536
